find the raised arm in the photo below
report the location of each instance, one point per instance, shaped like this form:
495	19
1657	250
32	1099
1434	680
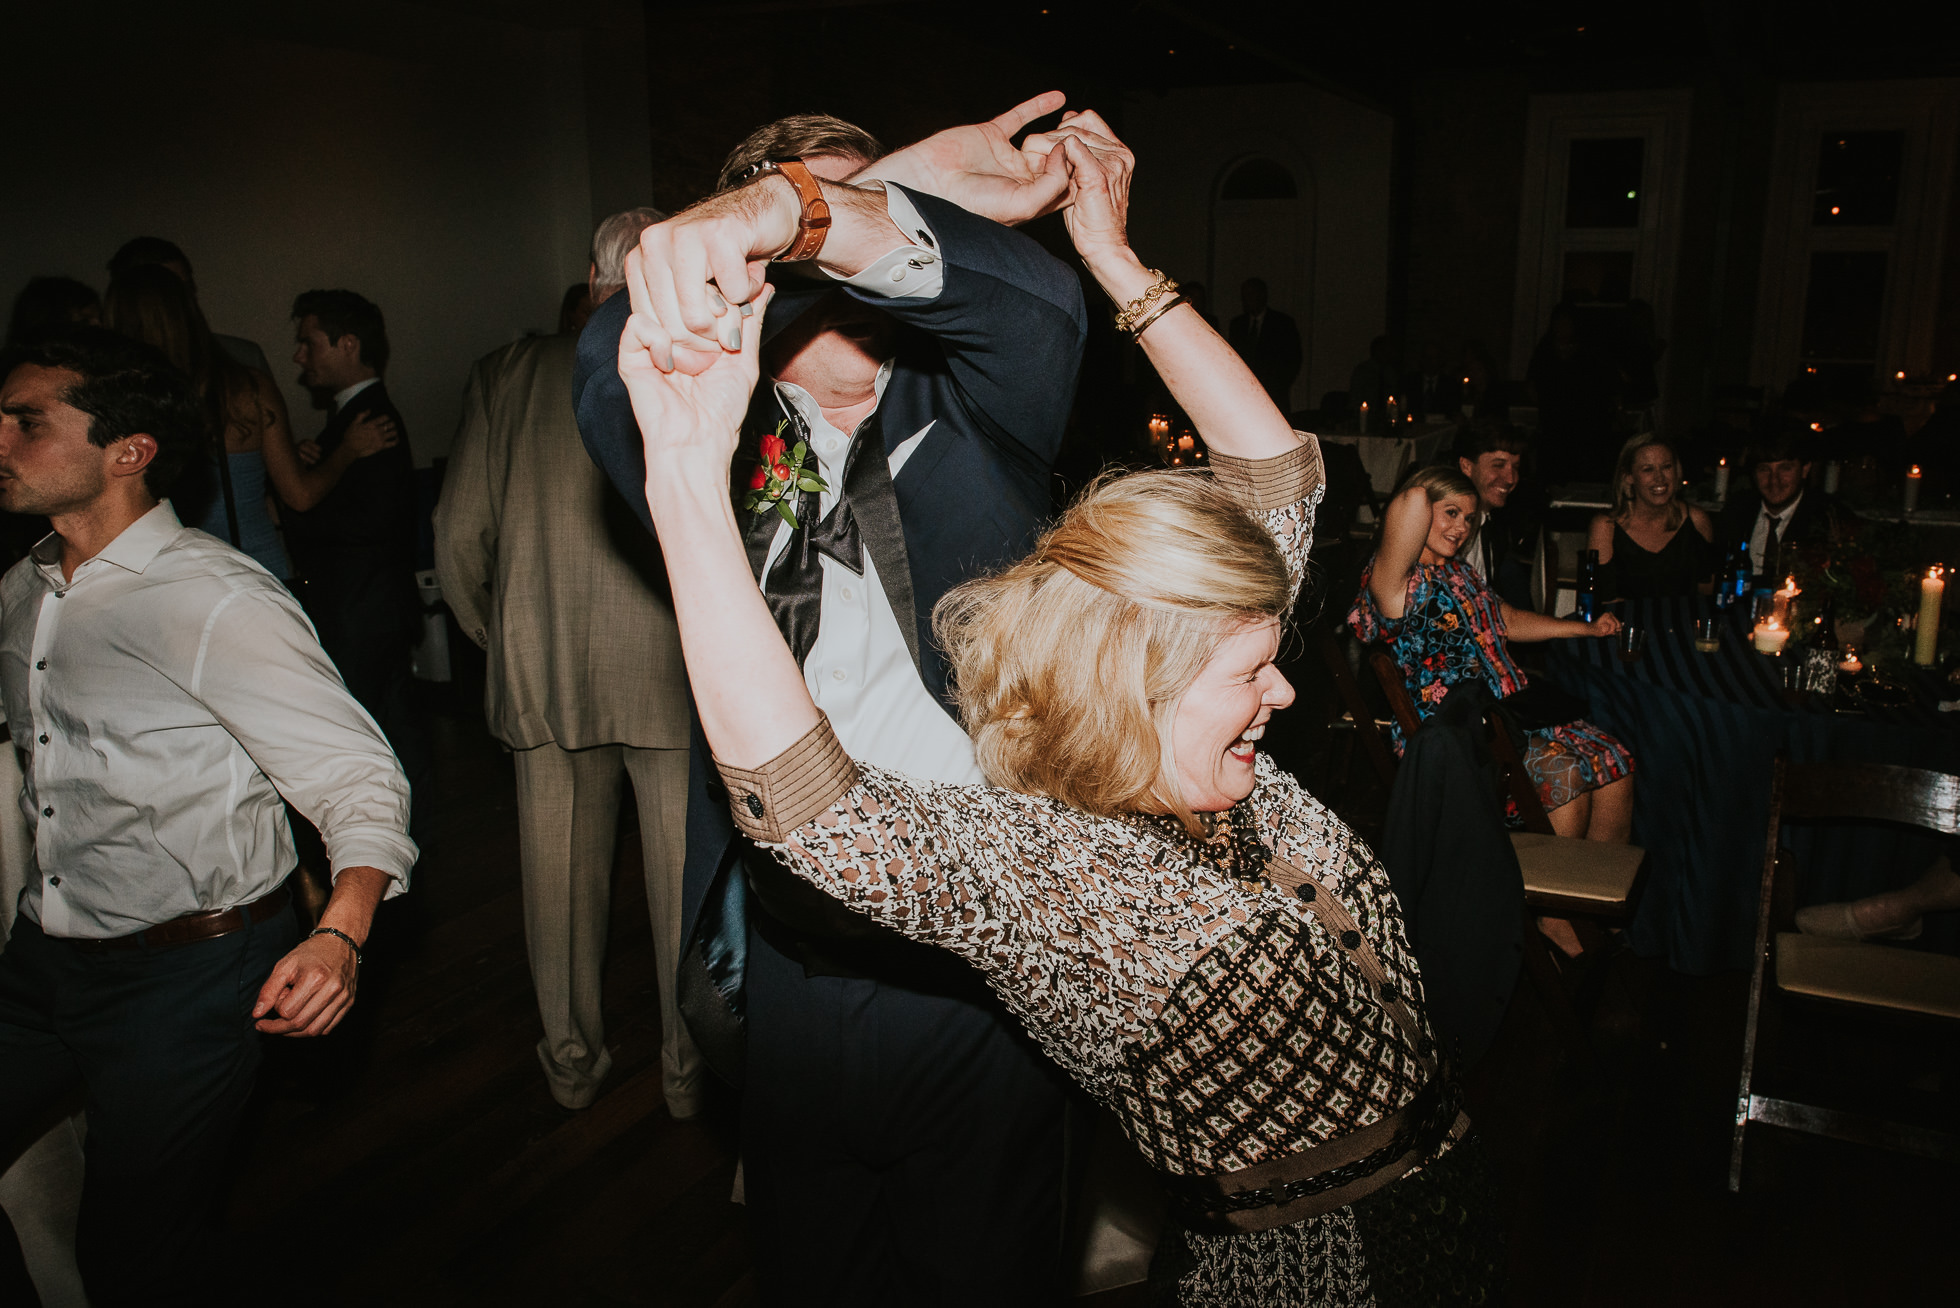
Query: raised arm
1205	375
1405	526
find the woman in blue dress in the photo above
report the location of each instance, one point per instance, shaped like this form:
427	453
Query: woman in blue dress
1446	626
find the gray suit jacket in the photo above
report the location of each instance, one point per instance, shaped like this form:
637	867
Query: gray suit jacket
548	569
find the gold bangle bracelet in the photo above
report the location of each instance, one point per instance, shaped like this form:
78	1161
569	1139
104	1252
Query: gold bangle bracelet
1164	307
1130	312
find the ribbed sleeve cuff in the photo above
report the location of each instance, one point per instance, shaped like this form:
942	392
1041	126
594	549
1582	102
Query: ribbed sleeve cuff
786	792
1274	483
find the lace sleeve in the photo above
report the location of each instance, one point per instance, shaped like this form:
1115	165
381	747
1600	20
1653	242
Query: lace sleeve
1283	492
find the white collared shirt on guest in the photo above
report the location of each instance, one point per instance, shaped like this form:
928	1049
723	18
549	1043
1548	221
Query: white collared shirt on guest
341	397
860	670
165	698
1759	536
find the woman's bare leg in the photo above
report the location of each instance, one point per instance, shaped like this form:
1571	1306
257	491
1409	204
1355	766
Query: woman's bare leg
1611	819
1569	820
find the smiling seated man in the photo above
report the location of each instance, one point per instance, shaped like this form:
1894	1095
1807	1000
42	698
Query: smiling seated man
1781	508
167	696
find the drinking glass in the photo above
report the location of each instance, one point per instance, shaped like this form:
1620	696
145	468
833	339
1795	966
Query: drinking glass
1631	641
1708	635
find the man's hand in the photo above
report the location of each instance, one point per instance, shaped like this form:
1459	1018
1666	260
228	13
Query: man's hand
979	168
368	434
1099	168
1603	625
308	452
309	990
689	411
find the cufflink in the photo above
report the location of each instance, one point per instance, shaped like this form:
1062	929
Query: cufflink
754	806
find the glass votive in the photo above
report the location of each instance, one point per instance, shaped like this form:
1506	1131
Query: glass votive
1630	642
1708	635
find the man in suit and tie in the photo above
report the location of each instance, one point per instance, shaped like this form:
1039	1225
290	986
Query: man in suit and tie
354	550
1268	341
901	1139
1781	510
547	568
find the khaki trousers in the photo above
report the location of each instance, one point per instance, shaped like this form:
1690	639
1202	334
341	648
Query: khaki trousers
568	816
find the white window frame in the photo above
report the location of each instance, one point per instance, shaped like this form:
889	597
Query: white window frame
1928	112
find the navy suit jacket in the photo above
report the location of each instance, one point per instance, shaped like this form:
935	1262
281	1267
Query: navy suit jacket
990	362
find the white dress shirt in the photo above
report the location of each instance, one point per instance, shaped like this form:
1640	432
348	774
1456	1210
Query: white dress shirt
165	698
341	397
860	670
1759	536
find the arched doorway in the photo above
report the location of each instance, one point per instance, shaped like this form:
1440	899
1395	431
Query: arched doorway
1262	226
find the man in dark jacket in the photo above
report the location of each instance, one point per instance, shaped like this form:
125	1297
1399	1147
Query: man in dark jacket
894	1119
1781	510
1269	342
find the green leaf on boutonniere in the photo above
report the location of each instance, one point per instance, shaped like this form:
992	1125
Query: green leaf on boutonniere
786	512
808	483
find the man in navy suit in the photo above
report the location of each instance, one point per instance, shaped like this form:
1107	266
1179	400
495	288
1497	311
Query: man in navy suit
901	1139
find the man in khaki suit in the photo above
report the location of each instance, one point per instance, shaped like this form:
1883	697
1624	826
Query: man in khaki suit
548	570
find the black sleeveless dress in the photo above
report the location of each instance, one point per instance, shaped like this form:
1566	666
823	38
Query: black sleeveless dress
1675	569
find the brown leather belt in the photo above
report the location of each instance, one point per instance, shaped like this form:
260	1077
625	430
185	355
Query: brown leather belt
193	927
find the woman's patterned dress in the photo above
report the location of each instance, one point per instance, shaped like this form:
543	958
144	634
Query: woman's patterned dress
1451	631
1225	1023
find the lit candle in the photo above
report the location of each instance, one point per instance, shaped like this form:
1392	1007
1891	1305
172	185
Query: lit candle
1932	592
1771	637
1851	662
1392	418
1467	405
1783	599
1721	481
1912	489
1185	442
1364	417
1831	477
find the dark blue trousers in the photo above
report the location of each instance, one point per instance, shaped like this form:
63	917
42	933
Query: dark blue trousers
898	1147
162	1045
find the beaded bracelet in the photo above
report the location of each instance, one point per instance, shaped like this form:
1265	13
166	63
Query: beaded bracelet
1127	317
329	931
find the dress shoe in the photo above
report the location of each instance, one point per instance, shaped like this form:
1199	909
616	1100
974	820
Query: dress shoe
1837	922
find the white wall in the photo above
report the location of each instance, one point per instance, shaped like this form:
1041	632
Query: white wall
435	160
1339	152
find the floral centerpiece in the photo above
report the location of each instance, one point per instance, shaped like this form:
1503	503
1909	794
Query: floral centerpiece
1870	571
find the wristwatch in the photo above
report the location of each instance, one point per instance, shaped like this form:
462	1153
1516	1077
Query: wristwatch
814	224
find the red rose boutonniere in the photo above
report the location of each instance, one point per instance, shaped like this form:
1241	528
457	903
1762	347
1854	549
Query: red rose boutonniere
780	475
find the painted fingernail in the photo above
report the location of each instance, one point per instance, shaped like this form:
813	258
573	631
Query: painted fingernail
720	304
748	310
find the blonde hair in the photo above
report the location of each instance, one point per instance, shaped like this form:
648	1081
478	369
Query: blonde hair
1069	666
1439	482
1677	511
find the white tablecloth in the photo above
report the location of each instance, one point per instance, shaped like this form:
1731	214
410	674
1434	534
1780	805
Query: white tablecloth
1386	458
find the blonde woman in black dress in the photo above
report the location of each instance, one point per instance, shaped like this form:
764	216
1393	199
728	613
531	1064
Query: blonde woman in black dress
1653	544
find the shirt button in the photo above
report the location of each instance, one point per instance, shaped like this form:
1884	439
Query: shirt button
44	738
60	594
47	812
1389	991
1307	891
830	445
838	674
844	593
1350	939
42	666
54	881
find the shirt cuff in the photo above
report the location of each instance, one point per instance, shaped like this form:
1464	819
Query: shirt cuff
1262	484
913	271
789	790
378	847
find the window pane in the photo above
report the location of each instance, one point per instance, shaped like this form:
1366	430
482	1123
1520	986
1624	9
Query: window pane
1601	276
1842	309
1258	179
1602	185
1858	179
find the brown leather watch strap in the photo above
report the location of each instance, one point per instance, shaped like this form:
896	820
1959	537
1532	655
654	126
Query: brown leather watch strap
814	225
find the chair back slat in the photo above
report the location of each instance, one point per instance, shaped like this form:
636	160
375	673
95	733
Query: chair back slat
1389	673
1879	792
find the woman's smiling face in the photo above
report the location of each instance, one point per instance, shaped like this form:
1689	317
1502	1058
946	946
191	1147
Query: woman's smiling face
1451	520
1215	735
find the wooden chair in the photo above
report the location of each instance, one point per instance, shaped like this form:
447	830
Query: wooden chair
1866	978
1592	884
1356	719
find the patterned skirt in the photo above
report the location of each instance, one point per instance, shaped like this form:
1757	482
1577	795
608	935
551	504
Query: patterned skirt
1432	1237
1567	761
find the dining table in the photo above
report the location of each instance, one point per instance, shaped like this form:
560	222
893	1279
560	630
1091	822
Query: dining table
1705	729
1386	456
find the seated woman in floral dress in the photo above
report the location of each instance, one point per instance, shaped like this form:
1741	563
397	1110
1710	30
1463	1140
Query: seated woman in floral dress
1445	626
1198	942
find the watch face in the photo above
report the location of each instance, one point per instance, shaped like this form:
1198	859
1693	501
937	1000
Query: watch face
757	169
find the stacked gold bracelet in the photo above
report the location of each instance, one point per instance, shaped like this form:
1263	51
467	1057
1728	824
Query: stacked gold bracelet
1150	306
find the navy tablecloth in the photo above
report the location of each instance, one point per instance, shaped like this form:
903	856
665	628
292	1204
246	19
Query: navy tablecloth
1704	729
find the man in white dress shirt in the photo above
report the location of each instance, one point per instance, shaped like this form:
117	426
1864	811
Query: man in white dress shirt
166	693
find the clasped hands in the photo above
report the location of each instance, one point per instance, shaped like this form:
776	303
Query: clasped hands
695	277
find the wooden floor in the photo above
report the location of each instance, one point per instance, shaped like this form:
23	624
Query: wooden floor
423	1162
